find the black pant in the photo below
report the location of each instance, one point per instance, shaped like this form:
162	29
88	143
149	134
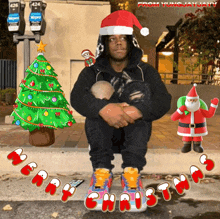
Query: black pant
136	136
100	135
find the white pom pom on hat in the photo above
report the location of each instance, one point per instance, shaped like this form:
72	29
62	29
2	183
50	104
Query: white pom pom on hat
121	22
144	31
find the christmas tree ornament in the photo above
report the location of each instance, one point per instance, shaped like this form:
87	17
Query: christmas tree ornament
70	123
70	112
23	81
18	122
54	99
46	113
15	106
41	133
32	83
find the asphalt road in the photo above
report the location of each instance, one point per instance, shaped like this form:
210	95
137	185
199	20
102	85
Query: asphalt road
174	209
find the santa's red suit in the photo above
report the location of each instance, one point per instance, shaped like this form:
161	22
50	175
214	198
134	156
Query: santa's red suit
89	62
194	124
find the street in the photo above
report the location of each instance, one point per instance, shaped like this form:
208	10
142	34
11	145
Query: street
174	209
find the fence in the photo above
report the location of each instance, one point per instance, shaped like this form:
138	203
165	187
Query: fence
186	78
8	74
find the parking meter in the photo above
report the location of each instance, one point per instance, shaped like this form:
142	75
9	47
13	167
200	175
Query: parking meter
36	18
15	20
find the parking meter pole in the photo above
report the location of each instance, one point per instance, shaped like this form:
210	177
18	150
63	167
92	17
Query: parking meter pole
26	55
26	39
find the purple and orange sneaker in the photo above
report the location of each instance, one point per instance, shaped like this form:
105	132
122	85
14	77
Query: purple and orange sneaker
132	185
100	184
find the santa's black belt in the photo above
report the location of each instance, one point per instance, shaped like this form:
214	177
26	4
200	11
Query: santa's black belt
198	125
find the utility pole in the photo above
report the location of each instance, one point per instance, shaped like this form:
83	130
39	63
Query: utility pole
174	31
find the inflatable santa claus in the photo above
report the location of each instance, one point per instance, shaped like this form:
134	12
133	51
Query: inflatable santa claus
192	113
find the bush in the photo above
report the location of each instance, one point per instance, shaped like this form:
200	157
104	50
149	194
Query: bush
10	91
6	91
2	95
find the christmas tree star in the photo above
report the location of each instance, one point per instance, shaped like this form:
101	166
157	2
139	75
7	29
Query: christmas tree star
41	46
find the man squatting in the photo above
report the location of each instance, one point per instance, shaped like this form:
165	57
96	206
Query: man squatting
119	93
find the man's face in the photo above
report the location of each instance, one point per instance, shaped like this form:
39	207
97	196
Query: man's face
118	47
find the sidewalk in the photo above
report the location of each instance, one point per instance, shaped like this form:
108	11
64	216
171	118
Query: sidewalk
71	147
164	134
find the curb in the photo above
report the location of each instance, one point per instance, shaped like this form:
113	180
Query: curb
69	160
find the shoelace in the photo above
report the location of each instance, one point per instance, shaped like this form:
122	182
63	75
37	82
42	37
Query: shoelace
131	175
101	176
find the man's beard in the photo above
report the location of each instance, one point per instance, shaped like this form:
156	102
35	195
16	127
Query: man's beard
118	59
192	106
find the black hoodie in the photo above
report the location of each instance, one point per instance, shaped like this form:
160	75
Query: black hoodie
157	99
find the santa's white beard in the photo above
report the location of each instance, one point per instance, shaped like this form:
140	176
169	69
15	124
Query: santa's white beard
192	106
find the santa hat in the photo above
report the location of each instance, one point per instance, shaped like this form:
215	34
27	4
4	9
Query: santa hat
87	50
121	22
192	93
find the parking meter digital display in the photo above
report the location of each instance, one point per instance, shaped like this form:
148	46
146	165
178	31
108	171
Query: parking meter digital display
14	8
35	6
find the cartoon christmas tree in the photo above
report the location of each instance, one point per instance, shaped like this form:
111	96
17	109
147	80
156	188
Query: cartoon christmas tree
41	106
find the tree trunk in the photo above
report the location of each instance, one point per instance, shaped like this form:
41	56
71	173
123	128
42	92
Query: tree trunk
42	137
204	73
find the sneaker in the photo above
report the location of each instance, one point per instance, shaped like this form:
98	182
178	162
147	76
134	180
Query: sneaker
100	184
132	185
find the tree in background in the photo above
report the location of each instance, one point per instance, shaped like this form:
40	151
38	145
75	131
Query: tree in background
6	42
41	106
200	37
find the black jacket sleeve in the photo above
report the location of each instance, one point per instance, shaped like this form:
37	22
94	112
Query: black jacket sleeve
157	99
82	99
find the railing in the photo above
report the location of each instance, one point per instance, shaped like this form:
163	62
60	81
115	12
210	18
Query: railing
8	74
186	78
